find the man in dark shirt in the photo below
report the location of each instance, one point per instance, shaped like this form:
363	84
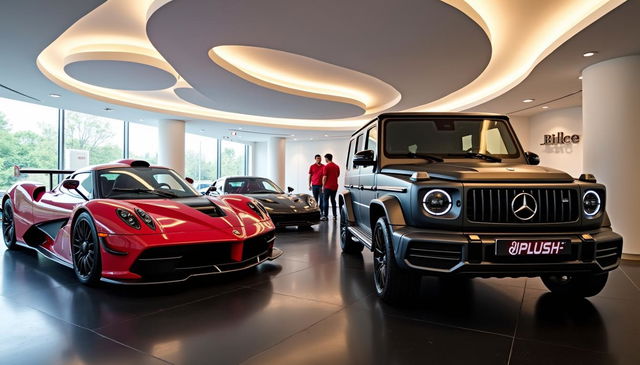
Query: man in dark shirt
330	175
315	180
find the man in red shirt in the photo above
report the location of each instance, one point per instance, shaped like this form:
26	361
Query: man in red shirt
330	175
315	180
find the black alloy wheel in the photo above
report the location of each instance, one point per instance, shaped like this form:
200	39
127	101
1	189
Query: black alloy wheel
379	261
347	242
394	285
8	225
86	250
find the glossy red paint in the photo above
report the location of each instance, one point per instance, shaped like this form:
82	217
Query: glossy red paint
175	224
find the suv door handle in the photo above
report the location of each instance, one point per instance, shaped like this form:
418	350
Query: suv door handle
361	187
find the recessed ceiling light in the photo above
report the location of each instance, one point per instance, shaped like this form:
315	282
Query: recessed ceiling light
528	100
54	95
545	107
107	109
590	53
580	77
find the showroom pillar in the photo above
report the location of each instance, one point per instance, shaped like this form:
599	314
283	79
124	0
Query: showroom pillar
611	150
171	144
276	160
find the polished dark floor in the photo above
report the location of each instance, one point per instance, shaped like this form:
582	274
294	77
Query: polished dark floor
311	306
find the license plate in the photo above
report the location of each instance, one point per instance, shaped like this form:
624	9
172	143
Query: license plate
533	247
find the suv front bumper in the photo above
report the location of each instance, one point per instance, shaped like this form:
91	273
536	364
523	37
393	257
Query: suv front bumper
456	253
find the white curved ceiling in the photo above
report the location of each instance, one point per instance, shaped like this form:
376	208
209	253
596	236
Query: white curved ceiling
465	43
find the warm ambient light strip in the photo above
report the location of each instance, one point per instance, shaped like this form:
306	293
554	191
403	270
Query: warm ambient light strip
289	73
521	33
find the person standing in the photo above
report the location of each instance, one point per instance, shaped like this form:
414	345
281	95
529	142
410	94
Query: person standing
315	180
330	175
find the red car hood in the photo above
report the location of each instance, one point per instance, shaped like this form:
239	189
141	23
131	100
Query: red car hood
188	215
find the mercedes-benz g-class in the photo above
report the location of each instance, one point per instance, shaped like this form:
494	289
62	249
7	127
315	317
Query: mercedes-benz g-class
455	194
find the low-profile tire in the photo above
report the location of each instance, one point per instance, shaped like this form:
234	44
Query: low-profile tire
578	286
393	284
347	242
9	225
85	250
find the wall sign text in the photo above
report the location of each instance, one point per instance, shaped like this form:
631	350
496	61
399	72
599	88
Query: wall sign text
560	138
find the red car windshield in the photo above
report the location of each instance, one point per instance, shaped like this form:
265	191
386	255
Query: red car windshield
143	183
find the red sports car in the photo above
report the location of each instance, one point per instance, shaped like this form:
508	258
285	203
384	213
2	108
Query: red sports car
129	222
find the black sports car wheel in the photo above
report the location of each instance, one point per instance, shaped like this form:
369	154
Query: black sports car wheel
8	225
393	285
85	248
347	242
581	286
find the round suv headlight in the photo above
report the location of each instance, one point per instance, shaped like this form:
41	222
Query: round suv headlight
591	203
128	218
437	202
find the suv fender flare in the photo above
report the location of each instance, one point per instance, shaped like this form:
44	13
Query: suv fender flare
390	207
345	199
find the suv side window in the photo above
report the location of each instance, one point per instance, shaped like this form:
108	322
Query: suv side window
372	140
350	155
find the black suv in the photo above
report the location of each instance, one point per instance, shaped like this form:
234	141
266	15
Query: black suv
455	194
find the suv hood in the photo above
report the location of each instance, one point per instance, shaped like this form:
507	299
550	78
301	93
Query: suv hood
476	171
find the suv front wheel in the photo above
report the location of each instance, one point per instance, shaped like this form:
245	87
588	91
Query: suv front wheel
393	285
582	285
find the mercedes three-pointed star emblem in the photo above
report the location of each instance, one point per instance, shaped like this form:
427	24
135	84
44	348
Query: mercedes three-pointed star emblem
524	206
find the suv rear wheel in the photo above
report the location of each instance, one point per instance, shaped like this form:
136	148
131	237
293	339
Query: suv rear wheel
347	242
583	285
393	285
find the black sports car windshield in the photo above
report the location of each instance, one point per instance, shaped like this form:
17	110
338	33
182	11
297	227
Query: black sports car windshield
446	138
143	183
251	185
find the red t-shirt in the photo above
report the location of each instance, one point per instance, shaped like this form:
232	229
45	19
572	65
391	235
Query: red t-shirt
331	171
315	171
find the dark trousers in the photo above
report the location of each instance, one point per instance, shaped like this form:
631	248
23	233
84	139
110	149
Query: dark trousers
316	190
329	196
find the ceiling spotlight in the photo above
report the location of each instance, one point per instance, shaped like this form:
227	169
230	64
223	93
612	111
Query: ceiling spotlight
107	109
54	95
545	107
580	77
528	100
590	53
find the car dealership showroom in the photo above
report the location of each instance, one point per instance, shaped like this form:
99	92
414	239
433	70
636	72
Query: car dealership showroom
320	182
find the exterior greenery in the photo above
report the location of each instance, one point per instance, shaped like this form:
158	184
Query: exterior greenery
103	138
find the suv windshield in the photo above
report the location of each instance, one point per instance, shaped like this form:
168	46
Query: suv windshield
251	185
143	183
449	138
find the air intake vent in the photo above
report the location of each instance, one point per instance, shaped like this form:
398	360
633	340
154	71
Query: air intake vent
434	255
496	205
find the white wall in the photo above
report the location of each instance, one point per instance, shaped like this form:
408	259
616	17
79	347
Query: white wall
259	165
565	157
300	157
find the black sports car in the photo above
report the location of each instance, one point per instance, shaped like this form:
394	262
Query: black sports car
285	209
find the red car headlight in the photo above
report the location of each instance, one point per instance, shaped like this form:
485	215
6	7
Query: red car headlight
128	217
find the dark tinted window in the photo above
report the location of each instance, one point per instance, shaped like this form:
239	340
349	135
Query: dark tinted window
449	137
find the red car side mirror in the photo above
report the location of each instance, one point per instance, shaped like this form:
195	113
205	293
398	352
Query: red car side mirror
70	184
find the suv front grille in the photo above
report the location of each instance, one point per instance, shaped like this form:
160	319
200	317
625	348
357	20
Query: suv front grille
493	205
